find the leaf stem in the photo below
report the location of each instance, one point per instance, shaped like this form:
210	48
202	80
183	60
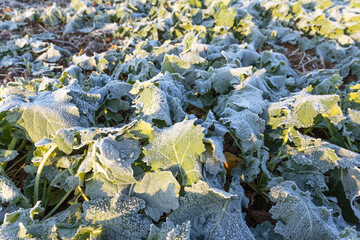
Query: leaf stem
59	203
15	163
131	189
82	193
22	145
44	193
237	143
46	200
328	125
12	144
263	194
349	142
39	170
286	139
2	171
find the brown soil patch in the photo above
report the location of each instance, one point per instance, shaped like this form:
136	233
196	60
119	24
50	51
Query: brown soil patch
347	80
304	62
258	209
198	112
17	173
89	43
31	28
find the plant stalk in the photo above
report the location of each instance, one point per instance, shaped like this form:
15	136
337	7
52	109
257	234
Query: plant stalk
38	173
328	125
59	204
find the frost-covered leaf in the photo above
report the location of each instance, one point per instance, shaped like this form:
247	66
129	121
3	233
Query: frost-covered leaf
116	159
320	154
354	116
51	55
225	16
325	81
275	63
118	217
250	167
248	127
169	231
175	94
306	177
7	155
78	25
351	184
265	231
222	79
301	109
85	62
177	149
8	25
298	217
160	190
211	122
9	193
64	140
22	224
174	64
151	103
52	16
48	112
248	97
214	159
213	213
100	187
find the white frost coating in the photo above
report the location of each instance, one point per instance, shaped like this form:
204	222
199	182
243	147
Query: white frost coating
118	157
301	109
248	127
169	231
212	212
351	184
48	112
177	149
160	190
118	217
151	103
298	217
321	154
8	191
354	115
51	55
247	97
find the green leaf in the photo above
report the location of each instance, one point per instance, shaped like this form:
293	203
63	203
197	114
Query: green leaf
50	111
116	158
301	109
7	155
298	217
177	149
248	127
151	104
9	193
64	140
351	184
212	213
225	16
118	217
169	231
160	190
